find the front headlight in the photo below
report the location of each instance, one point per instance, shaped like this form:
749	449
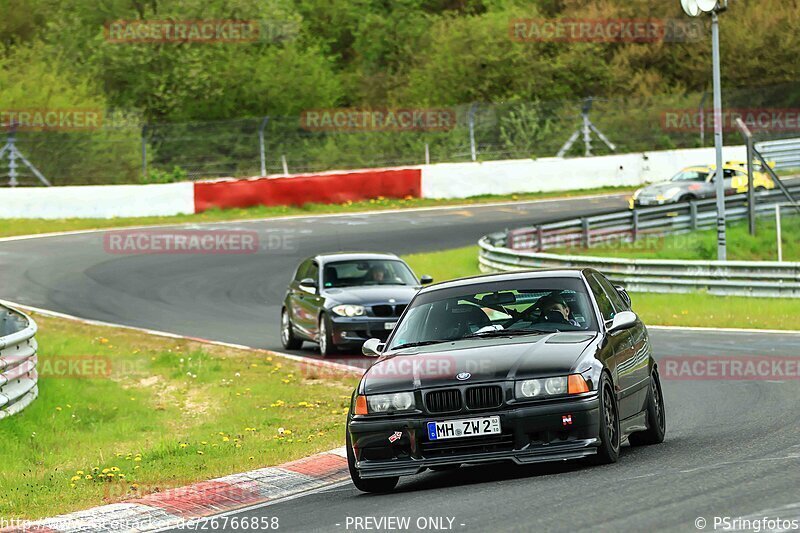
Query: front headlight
349	310
532	389
671	192
386	403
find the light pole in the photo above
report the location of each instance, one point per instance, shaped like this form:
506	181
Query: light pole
693	8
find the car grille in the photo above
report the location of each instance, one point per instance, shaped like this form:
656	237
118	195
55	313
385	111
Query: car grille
453	447
443	401
484	397
385	310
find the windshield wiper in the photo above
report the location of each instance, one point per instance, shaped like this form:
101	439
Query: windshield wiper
420	343
507	333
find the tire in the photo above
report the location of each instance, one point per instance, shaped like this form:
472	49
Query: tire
685	198
376	485
326	346
608	451
656	416
288	339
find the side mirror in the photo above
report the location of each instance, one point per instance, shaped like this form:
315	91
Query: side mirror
625	296
308	285
425	280
622	321
373	348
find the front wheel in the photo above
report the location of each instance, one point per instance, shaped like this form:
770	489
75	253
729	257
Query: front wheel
608	451
656	418
288	339
379	484
326	346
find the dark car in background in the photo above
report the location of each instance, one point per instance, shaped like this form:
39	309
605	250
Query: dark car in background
524	367
342	299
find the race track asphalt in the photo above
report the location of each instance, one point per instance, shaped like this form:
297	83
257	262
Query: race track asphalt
732	447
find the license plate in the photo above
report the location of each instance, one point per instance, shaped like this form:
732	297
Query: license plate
389	325
469	427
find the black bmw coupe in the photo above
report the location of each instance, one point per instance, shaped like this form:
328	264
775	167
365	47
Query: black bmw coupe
340	300
525	367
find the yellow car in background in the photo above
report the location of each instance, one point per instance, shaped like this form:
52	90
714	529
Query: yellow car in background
697	183
761	180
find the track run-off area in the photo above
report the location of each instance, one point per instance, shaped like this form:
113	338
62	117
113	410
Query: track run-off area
732	446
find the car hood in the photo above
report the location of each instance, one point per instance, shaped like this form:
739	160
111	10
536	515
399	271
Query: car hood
402	294
486	360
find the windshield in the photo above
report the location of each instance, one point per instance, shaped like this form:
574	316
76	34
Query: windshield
367	272
495	310
690	175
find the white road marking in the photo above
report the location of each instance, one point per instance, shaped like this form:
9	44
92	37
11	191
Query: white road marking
308	360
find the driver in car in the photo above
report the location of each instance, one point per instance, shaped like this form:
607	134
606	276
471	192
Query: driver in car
376	274
555	309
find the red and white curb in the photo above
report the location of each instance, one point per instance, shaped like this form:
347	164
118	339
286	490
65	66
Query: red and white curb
174	507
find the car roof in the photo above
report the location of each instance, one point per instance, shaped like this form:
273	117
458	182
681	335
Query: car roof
507	276
353	256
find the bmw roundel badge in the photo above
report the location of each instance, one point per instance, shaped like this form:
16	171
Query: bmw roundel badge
463	376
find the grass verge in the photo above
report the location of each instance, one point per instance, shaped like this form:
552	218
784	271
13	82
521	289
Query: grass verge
136	413
693	309
28	226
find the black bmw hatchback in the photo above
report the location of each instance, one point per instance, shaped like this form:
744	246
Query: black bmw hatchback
524	367
340	300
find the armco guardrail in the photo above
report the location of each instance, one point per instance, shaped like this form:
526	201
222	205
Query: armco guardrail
18	376
524	248
785	152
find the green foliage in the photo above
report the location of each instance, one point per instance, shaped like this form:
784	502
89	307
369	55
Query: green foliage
317	54
162	176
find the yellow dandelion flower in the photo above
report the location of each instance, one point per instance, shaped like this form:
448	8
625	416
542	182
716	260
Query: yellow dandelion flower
199	452
75	478
88	477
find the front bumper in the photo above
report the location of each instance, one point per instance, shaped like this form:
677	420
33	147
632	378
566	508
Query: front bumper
649	202
353	331
531	433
